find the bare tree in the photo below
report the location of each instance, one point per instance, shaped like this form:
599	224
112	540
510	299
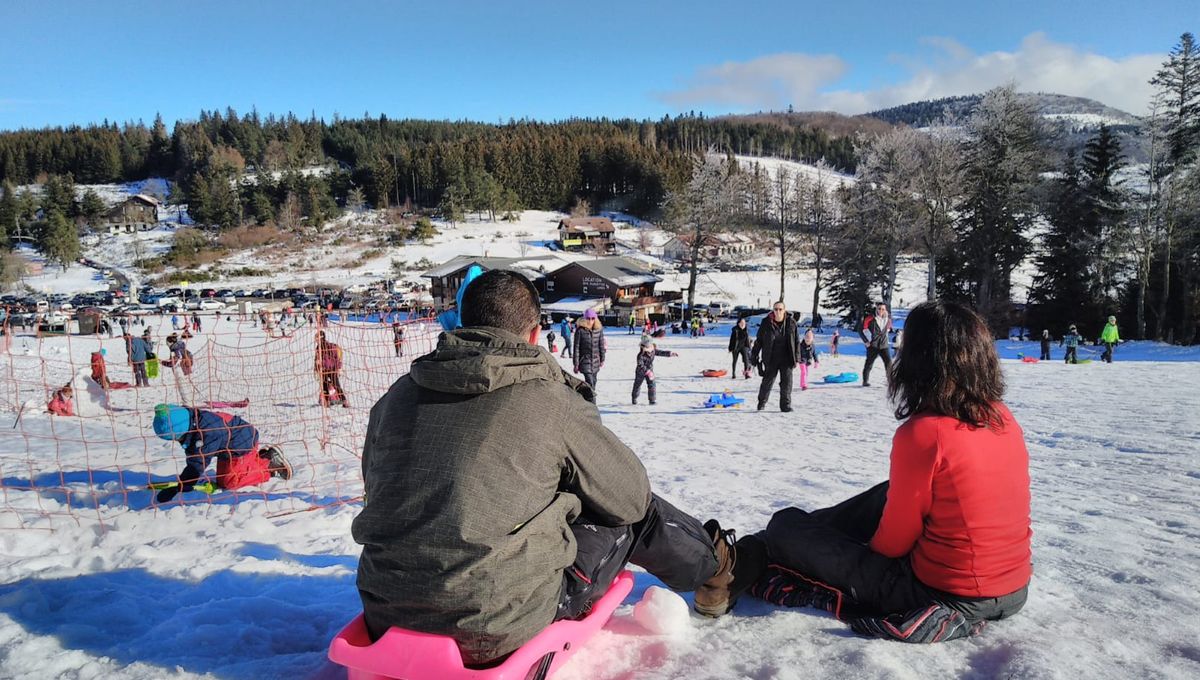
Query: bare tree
784	200
711	201
818	217
938	185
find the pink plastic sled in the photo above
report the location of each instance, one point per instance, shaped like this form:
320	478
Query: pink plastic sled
407	655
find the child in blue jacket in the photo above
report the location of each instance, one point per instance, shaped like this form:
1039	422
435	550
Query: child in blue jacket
205	435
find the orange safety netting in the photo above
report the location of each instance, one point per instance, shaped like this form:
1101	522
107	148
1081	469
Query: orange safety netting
103	459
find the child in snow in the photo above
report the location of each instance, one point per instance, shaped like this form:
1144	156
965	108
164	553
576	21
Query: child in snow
833	343
1045	345
1110	337
808	357
739	347
100	368
63	401
174	322
644	368
205	435
328	365
1071	340
180	356
195	322
398	338
550	342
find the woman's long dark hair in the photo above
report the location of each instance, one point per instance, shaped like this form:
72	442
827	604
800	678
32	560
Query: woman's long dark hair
947	365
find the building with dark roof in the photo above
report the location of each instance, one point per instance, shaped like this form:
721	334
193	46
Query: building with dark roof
576	233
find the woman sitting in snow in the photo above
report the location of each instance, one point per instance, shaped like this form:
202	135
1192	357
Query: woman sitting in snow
205	435
943	546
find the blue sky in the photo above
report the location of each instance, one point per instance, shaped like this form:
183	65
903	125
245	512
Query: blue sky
65	62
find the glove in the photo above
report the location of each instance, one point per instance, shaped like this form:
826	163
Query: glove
575	369
674	354
165	495
761	369
649	375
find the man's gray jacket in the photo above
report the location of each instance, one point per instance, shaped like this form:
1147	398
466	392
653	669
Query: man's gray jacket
475	464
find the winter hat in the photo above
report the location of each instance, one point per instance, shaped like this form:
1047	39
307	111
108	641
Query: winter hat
171	421
589	314
1112	319
647	341
103	351
1072	327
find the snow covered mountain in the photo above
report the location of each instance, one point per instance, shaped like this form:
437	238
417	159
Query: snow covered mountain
1071	120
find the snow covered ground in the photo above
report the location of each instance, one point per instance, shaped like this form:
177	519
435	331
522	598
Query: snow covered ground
102	583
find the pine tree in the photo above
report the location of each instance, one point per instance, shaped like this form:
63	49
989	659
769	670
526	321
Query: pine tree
8	213
1002	161
91	207
59	240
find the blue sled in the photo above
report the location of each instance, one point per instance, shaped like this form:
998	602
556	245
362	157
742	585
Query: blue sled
724	400
841	378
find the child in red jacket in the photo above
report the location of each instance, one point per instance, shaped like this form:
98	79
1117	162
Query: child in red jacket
943	546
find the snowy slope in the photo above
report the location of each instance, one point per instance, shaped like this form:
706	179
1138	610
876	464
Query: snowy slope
226	590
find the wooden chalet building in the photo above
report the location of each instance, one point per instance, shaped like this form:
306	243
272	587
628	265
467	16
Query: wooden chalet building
446	278
136	213
578	233
712	246
626	285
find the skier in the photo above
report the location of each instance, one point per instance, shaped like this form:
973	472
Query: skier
398	338
739	347
1045	345
944	545
1110	338
808	357
1071	340
643	370
517	521
775	353
564	329
205	435
877	325
590	347
328	366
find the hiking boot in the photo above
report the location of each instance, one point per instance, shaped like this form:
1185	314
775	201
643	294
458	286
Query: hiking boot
277	465
761	406
786	409
714	598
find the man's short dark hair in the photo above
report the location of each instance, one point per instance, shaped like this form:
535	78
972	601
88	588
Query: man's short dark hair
501	299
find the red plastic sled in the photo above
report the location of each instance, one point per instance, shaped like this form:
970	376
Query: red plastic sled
1029	360
408	655
713	373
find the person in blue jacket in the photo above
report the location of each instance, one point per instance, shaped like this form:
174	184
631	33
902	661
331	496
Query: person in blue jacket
564	329
139	353
233	442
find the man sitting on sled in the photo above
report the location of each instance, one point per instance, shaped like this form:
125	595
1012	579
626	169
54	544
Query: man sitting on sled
498	503
205	435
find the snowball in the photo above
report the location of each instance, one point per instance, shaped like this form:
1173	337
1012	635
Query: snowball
662	611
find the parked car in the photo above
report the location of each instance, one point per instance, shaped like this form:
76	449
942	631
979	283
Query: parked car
260	292
203	304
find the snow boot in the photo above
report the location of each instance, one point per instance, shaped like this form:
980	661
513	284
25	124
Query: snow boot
715	597
935	623
277	465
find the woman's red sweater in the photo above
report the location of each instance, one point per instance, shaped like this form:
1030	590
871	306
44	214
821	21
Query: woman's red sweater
958	504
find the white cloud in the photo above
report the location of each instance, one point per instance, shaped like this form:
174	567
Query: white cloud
809	82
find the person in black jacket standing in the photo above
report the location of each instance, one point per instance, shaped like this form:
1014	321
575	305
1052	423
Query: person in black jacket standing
775	352
739	346
874	334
